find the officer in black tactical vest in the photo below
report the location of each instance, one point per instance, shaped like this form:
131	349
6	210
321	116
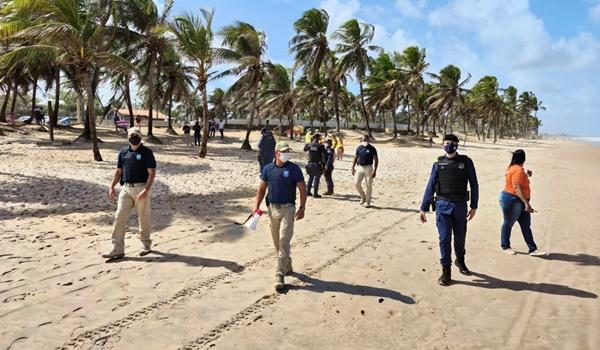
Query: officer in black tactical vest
448	182
316	159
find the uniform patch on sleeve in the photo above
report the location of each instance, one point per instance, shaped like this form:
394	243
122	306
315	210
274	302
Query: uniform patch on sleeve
138	157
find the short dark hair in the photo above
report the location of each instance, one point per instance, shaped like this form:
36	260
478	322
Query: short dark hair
518	157
451	137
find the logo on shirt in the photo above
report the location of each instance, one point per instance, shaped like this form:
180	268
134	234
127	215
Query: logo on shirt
368	151
461	166
138	157
286	173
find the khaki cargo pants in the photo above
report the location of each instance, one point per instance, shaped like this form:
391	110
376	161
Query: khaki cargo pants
282	231
364	172
127	201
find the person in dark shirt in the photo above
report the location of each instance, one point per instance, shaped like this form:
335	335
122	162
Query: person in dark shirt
281	178
116	120
266	148
197	128
316	161
186	134
136	169
367	160
448	182
328	171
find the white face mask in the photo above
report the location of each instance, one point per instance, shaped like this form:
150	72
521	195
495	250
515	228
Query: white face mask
284	157
365	143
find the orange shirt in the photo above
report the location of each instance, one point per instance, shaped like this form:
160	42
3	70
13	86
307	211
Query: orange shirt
515	174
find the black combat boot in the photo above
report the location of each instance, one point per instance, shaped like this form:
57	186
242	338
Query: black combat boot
460	263
446	276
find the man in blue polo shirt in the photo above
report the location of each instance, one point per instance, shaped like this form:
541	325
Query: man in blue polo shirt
281	178
368	161
136	169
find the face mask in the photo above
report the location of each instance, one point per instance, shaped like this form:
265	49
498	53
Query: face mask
365	143
284	157
135	140
450	148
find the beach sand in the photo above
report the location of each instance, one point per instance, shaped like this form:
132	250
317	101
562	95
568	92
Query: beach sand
365	278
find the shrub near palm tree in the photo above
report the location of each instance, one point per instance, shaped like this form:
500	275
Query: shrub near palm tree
245	47
194	39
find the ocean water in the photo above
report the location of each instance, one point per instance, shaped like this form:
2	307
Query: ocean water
594	140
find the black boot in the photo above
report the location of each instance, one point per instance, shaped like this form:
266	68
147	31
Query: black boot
460	263
446	276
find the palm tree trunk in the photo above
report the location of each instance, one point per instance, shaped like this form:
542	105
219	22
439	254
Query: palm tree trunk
5	103
465	124
128	101
336	106
364	109
170	129
246	144
54	119
395	123
50	126
33	96
91	116
80	118
409	112
150	138
204	141
13	104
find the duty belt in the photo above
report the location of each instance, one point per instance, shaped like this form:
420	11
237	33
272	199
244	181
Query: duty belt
280	206
132	184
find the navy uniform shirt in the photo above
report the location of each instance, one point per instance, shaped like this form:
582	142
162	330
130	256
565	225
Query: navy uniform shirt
365	155
330	158
430	190
135	164
282	182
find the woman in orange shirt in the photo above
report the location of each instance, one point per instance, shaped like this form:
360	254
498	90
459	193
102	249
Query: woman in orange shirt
514	201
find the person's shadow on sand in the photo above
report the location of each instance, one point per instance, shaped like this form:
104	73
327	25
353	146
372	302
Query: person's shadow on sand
186	259
489	282
320	286
578	259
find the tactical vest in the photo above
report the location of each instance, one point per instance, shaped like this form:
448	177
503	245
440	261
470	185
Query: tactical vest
315	154
452	178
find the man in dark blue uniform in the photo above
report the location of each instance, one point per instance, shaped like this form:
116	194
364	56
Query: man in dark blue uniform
328	171
281	178
316	159
266	148
368	161
136	169
448	181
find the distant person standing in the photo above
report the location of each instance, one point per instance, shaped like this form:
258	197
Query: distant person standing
339	146
136	169
138	122
328	171
38	115
316	159
187	138
197	128
11	119
367	160
309	136
211	128
221	127
266	148
514	201
116	120
282	178
448	182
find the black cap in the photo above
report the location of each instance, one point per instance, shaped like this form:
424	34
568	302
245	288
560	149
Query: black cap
451	137
263	130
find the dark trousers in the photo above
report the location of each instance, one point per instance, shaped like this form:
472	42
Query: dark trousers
314	172
451	220
221	131
513	211
329	179
197	139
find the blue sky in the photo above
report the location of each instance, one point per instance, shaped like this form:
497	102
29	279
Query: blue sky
550	47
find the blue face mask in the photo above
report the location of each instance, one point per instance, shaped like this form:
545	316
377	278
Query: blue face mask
450	148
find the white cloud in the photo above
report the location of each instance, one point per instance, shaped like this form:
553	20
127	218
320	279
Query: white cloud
397	41
340	11
410	8
595	12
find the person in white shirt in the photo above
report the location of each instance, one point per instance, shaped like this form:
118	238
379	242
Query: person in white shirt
221	127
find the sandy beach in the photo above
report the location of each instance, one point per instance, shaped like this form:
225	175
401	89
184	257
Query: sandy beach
365	278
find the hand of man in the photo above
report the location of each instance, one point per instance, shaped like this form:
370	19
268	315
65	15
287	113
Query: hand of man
111	194
142	195
529	209
374	174
423	217
353	172
300	214
471	214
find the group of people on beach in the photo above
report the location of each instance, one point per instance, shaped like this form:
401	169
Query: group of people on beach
447	193
197	128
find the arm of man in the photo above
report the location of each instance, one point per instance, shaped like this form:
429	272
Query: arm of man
260	195
474	184
516	181
429	192
144	193
115	181
375	165
354	162
302	188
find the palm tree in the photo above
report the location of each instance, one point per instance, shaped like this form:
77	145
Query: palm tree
487	101
72	32
279	96
218	100
509	97
448	92
413	60
245	47
353	46
526	104
194	38
174	83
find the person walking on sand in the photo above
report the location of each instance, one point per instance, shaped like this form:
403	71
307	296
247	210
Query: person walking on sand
515	205
187	138
266	148
221	127
197	128
328	171
136	169
448	182
317	155
367	160
282	178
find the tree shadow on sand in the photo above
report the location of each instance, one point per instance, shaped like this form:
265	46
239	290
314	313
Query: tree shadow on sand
321	286
185	259
489	282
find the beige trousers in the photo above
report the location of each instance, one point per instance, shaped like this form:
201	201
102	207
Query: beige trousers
127	201
364	172
282	231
